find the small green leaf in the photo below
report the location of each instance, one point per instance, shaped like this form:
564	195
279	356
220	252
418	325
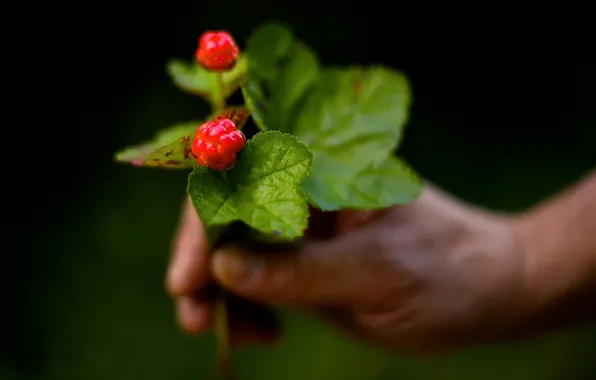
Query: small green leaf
262	190
239	115
136	155
176	155
170	147
192	78
352	119
167	135
377	186
291	83
266	46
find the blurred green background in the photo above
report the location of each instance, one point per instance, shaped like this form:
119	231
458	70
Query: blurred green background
500	119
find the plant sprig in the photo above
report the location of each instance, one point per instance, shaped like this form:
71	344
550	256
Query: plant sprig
327	137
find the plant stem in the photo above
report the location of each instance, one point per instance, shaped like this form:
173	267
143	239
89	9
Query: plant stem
220	103
223	369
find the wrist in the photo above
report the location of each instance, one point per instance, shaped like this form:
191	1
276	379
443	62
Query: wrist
556	280
543	275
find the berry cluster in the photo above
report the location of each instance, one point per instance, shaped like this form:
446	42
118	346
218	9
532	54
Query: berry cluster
216	144
217	51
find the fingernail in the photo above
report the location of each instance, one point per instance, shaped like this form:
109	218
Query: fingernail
236	267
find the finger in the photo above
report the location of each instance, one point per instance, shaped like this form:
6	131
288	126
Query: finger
249	322
194	315
195	310
321	272
188	265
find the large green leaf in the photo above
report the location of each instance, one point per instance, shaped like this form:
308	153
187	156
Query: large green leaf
381	185
355	115
262	190
194	79
353	118
293	80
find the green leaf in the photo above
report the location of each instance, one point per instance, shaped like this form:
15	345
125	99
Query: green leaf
353	118
254	98
283	68
171	147
192	78
136	155
355	115
262	190
175	155
381	185
294	76
289	86
238	114
266	46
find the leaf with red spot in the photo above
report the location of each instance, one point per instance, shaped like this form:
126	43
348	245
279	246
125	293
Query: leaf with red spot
170	147
238	115
138	154
175	155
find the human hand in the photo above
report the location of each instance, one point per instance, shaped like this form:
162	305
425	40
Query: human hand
430	276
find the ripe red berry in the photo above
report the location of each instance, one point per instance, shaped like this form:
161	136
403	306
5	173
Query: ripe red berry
217	51
216	144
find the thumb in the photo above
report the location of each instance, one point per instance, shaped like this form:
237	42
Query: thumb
320	273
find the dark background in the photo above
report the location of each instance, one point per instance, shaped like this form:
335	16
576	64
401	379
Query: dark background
501	118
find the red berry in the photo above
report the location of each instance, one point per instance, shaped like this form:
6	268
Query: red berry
217	51
216	144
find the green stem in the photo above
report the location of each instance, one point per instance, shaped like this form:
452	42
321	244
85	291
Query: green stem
220	102
223	369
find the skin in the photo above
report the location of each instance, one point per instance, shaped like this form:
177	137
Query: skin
428	277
